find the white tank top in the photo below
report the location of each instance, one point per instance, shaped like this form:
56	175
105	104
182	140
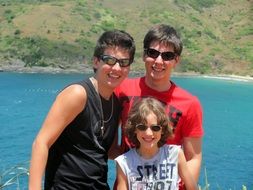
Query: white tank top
157	173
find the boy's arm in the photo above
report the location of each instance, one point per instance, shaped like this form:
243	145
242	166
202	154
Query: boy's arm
185	173
193	154
68	104
114	150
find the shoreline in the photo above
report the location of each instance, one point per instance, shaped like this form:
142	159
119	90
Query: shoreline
229	77
88	69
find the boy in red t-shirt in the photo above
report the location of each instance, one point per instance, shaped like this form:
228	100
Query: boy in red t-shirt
162	50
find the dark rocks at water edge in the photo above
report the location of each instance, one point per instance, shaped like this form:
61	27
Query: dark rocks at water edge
19	66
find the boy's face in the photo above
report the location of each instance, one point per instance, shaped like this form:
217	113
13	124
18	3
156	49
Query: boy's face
112	75
158	70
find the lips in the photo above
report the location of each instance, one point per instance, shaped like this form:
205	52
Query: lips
114	76
148	139
157	69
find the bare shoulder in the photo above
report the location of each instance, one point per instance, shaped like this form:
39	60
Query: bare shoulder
74	90
181	156
180	152
74	94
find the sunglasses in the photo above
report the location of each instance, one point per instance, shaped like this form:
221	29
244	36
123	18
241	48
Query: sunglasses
166	56
142	127
109	60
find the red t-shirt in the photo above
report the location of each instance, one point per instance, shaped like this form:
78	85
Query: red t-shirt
184	109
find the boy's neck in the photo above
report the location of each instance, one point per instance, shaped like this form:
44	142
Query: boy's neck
159	86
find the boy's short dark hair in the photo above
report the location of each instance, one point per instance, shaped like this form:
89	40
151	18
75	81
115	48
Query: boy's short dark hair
115	38
164	34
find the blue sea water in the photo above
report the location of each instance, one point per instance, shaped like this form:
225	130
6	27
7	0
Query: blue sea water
228	122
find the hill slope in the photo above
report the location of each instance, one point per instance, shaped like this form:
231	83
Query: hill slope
217	34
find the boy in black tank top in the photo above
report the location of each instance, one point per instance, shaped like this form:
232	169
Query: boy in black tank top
72	146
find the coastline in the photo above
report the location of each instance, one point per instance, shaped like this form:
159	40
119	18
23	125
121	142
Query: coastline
228	77
231	77
15	68
82	68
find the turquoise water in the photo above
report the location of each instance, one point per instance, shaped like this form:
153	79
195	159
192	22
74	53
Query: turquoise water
228	122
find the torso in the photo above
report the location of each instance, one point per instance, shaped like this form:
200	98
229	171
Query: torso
159	172
184	110
78	159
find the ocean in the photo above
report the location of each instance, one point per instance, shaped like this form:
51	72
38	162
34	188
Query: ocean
228	123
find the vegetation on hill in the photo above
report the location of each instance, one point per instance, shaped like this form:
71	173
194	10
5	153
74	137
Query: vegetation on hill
217	34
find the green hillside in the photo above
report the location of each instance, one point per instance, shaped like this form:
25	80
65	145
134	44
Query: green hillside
217	34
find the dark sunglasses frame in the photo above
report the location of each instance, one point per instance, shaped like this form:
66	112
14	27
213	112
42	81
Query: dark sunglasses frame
110	60
166	56
142	127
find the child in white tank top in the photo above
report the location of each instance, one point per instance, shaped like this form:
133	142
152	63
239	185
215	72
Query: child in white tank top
151	165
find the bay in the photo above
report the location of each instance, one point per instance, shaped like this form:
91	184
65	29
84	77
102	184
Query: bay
227	145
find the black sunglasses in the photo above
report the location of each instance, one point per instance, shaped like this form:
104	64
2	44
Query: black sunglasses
109	60
166	56
143	127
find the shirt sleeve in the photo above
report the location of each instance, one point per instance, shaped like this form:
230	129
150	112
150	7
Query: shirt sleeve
121	160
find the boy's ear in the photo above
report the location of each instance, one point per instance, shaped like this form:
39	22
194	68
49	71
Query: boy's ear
95	61
143	56
177	61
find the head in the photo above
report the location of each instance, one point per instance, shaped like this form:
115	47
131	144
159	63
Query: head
115	39
166	35
162	49
113	55
140	113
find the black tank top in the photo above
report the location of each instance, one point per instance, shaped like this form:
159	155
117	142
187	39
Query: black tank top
78	158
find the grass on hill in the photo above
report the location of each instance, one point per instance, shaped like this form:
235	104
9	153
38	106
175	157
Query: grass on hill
217	34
